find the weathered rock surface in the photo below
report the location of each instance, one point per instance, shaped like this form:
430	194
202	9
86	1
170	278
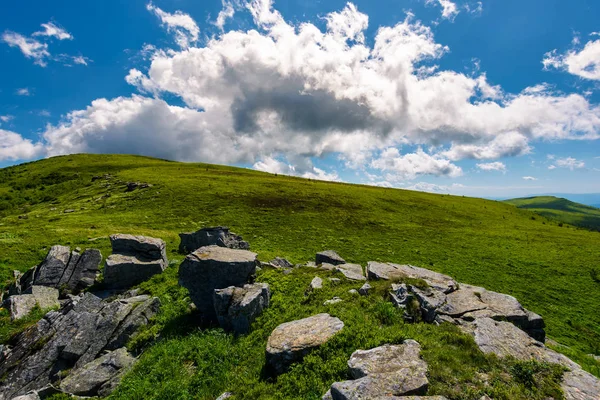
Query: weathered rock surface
68	339
377	270
135	259
316	283
329	257
238	307
505	339
291	341
21	305
70	272
214	267
99	377
353	272
364	289
279	262
384	372
217	236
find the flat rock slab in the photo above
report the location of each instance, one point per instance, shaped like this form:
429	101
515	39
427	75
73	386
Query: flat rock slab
384	372
316	283
238	307
139	246
21	305
124	271
291	341
387	271
214	267
329	257
353	272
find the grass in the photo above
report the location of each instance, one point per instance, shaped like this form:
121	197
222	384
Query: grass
549	268
561	210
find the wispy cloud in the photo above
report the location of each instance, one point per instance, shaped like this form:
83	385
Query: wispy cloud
30	48
185	28
530	178
493	166
6	118
567	162
53	30
23	92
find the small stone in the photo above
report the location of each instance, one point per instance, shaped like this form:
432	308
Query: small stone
225	396
330	257
353	292
316	283
364	289
327	266
335	281
335	300
278	262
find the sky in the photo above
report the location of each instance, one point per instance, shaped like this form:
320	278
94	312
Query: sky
491	98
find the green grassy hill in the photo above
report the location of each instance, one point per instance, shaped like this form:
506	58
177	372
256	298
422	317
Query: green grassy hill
552	270
561	210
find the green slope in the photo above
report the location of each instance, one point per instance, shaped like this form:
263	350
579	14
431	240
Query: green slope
549	268
561	210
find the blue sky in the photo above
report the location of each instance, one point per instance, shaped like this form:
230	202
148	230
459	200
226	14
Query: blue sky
490	98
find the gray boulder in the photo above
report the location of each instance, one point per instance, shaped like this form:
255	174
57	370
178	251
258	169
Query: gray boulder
364	289
50	271
99	377
291	341
279	262
225	396
352	272
214	267
387	271
383	372
335	300
135	259
21	305
238	307
329	257
316	283
217	236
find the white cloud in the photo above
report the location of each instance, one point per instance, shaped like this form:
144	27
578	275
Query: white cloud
509	144
6	118
476	8
449	8
273	166
551	167
52	30
23	92
322	175
433	188
227	12
81	60
30	48
182	25
530	178
584	63
44	113
493	166
410	166
568	162
14	147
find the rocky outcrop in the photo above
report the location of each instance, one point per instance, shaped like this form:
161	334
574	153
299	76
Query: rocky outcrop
214	267
65	341
70	272
217	236
238	307
20	305
291	341
441	282
505	339
353	272
383	372
329	257
135	259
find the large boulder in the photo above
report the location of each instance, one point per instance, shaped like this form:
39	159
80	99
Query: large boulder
214	267
329	257
238	307
217	236
353	272
99	377
291	341
135	259
383	372
43	297
65	341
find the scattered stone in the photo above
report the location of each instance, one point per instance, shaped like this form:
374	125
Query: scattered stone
335	281
384	372
69	211
330	257
278	262
364	289
131	186
332	301
291	341
21	305
225	396
99	377
217	236
135	259
310	264
327	266
65	341
353	291
237	308
353	272
316	283
214	267
400	295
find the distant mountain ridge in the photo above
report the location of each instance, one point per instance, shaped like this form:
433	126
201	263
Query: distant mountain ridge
562	210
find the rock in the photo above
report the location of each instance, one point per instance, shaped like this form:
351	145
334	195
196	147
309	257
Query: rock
430	301
364	289
214	267
330	257
15	287
49	272
353	272
91	379
506	340
327	396
400	295
327	266
383	372
463	301
237	308
29	396
69	211
316	283
332	301
217	236
291	341
135	259
376	270
21	305
310	264
335	281
278	262
353	292
81	272
65	341
225	396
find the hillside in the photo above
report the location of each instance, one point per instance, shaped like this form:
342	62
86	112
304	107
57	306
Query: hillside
552	270
561	210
